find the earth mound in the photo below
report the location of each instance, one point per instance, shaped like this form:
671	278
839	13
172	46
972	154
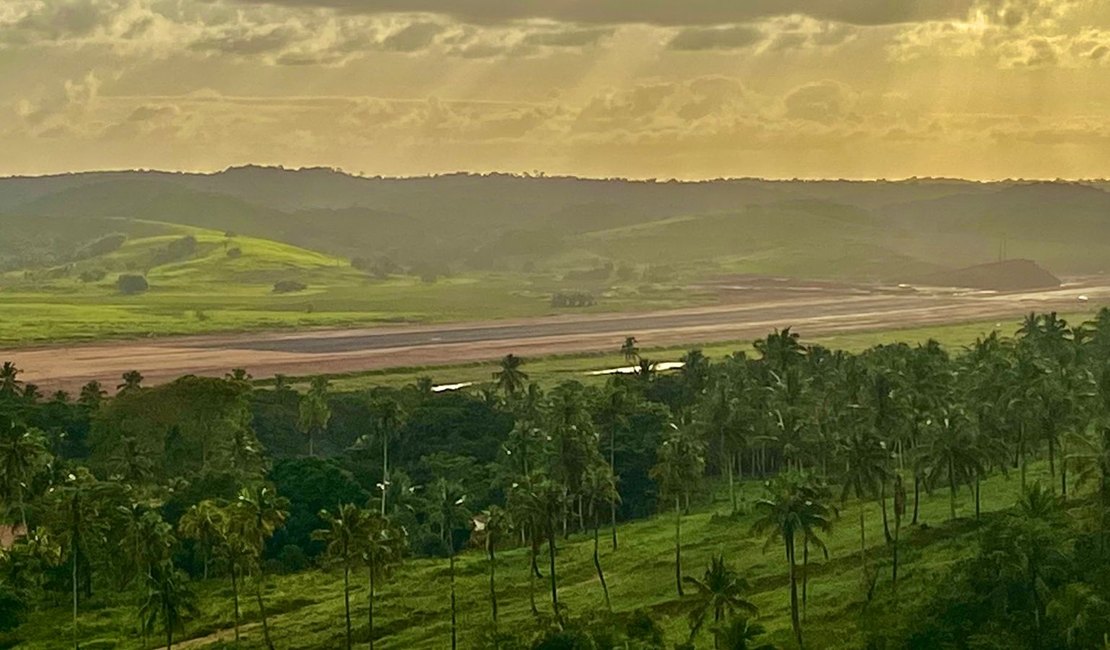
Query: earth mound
1010	275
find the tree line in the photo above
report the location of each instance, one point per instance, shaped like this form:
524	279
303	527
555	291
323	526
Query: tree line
229	479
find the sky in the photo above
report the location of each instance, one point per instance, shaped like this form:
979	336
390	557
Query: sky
685	89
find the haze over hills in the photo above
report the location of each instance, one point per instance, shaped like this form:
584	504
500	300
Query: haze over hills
884	231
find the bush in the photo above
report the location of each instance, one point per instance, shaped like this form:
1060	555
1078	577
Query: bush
289	286
11	608
573	299
131	284
175	251
235	253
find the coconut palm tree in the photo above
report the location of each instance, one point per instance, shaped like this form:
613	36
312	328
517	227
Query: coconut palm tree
23	456
630	351
681	464
203	523
952	454
314	411
450	513
383	549
509	376
497	526
866	459
259	512
92	395
787	511
10	385
741	634
168	599
344	538
720	592
79	507
529	515
599	490
132	381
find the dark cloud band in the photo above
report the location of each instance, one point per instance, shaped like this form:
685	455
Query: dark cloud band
658	12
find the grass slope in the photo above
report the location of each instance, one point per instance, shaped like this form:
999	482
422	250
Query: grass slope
307	608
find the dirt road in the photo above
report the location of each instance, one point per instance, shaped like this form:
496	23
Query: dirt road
338	351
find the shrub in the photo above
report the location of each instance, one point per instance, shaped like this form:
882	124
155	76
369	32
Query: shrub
176	250
289	286
235	253
131	284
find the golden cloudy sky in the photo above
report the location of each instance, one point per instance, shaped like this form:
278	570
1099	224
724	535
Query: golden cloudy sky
637	88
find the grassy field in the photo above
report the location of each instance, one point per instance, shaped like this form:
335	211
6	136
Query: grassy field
209	291
307	611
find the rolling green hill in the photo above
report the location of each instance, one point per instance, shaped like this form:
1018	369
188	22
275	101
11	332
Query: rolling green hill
488	245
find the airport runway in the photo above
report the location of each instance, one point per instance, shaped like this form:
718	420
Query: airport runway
300	353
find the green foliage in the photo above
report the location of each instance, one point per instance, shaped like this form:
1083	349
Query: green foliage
130	284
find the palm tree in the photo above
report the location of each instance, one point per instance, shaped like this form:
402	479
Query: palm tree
740	634
599	490
681	464
259	513
866	472
510	378
344	537
9	380
383	548
497	525
79	523
233	549
450	513
630	351
203	523
92	395
720	591
314	411
387	416
1091	459
789	509
168	599
132	381
23	455
529	515
952	454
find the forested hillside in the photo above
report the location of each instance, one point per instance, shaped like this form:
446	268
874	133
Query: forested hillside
906	496
889	231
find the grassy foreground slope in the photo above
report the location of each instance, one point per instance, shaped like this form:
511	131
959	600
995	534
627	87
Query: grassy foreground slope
307	608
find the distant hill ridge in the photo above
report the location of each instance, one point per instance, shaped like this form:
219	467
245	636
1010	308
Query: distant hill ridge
836	229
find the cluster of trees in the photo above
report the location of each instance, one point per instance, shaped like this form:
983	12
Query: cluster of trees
573	299
189	474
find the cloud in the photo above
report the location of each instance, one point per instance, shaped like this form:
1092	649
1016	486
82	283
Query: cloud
693	39
822	101
413	37
688	12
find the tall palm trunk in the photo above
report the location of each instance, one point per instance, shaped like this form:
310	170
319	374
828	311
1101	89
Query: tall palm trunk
978	502
385	470
533	572
805	572
262	610
613	475
882	501
454	618
1063	469
347	601
862	541
678	544
916	497
491	552
794	619
727	458
597	565
370	634
75	644
952	488
235	600
551	571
